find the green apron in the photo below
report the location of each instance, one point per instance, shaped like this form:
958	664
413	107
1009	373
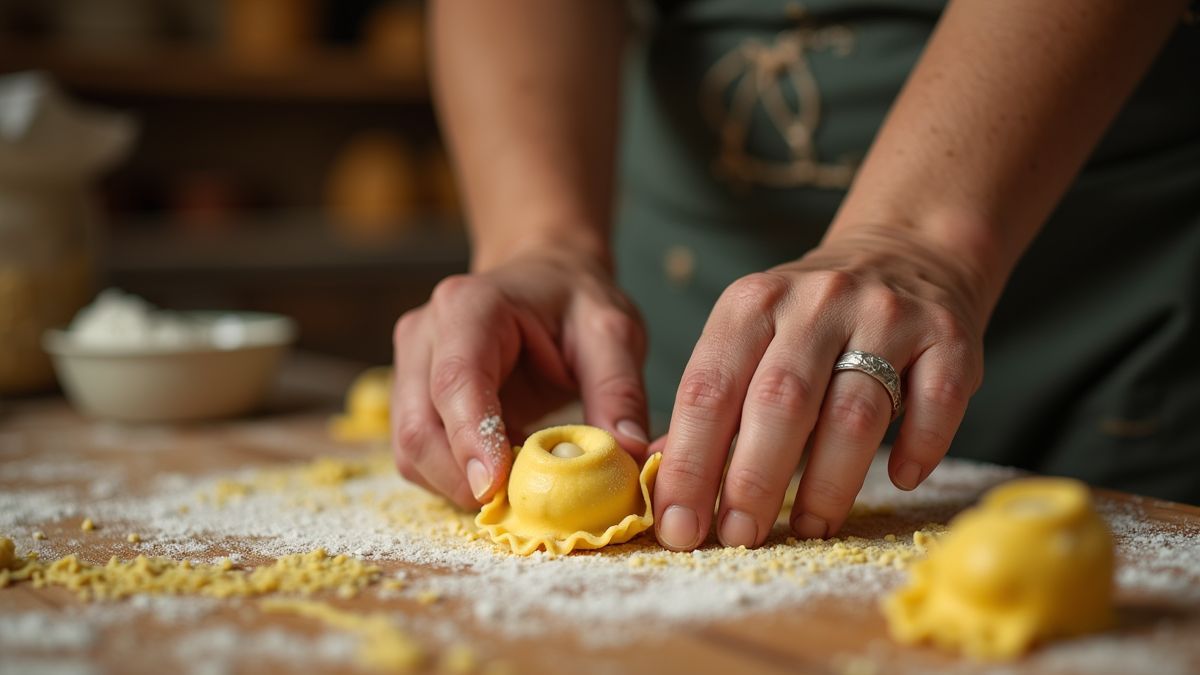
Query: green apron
743	122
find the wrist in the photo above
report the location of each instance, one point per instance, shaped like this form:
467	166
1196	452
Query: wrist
975	253
576	242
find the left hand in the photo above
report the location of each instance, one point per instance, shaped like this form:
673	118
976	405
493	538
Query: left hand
763	370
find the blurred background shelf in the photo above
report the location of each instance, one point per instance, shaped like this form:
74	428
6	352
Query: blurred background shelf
328	74
300	243
345	293
287	159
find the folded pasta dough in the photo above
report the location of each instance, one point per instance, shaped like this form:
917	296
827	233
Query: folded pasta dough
571	487
1032	562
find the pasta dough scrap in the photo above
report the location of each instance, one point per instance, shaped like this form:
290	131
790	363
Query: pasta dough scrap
1033	561
562	500
368	404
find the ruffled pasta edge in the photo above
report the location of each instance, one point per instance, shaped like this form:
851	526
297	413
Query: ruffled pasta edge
490	521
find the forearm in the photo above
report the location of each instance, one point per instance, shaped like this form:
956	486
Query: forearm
527	94
999	115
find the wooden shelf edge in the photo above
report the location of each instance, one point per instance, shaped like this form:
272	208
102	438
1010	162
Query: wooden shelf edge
299	243
332	75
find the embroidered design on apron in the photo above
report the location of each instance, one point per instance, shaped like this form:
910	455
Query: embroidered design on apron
752	77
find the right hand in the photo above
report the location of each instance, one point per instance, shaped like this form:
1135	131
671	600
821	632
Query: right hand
512	344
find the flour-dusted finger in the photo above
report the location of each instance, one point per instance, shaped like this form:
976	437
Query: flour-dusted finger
419	442
475	345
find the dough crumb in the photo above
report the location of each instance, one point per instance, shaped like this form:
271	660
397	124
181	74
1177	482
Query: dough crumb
384	647
459	659
305	573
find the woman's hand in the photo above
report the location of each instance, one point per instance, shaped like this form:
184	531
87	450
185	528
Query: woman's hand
1001	111
498	350
763	371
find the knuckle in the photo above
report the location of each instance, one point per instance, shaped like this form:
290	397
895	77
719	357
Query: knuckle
929	440
405	326
884	306
750	484
615	325
825	492
826	287
410	439
684	472
757	293
781	389
706	390
449	376
854	414
456	288
945	320
950	330
623	388
946	393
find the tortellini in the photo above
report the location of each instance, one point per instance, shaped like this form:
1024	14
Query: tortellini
367	408
1033	561
571	487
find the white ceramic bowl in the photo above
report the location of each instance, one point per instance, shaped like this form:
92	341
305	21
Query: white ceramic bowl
227	374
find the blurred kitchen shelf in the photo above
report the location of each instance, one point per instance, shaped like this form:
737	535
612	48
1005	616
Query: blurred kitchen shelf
282	244
345	294
329	75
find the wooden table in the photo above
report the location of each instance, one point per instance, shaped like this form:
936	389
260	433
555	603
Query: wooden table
832	635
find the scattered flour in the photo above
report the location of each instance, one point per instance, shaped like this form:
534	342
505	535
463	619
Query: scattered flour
42	631
47	666
223	649
358	506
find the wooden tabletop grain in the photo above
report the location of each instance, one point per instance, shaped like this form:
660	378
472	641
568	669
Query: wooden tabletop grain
834	635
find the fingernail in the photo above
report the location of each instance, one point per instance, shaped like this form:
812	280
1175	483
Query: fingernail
908	475
808	526
479	478
632	430
679	528
737	529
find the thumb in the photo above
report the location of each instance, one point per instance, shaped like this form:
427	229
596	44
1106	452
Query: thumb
608	365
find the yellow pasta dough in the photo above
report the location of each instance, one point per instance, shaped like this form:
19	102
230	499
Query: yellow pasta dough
368	406
1033	561
571	487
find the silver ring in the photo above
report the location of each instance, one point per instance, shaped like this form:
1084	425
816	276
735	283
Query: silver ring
877	367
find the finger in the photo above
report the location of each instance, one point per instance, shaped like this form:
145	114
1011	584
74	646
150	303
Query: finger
854	417
781	408
607	360
475	346
940	382
422	454
708	408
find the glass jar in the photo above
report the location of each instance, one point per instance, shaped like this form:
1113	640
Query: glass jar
51	150
46	273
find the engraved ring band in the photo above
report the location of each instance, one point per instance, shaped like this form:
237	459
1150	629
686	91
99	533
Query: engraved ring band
877	367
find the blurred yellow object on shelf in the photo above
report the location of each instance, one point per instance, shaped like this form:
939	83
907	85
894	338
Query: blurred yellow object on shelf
367	408
269	33
1032	562
395	38
372	189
